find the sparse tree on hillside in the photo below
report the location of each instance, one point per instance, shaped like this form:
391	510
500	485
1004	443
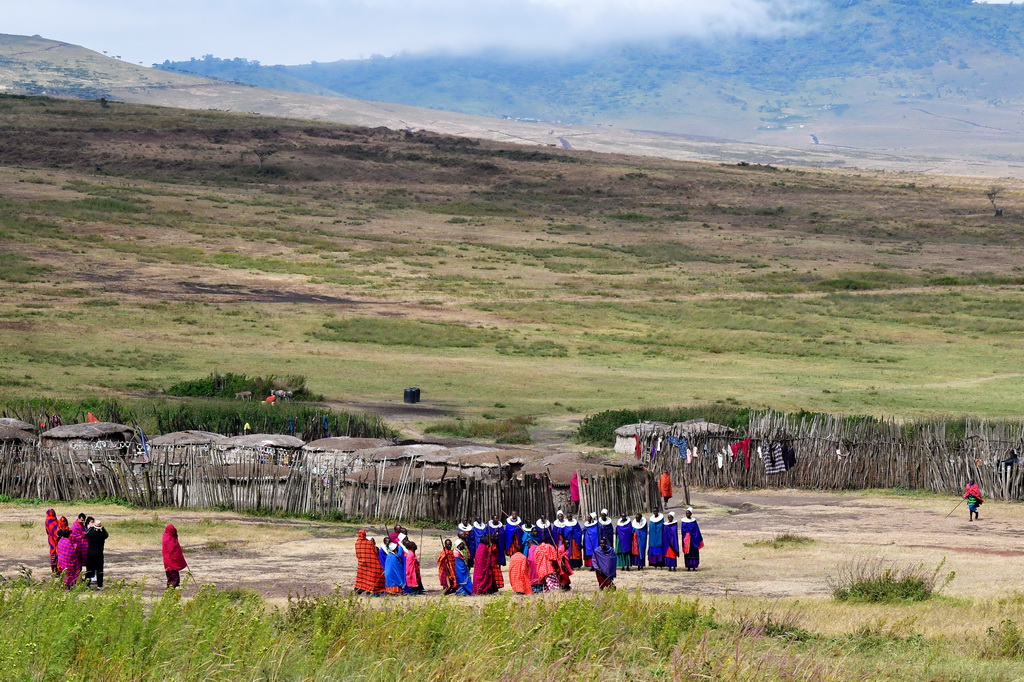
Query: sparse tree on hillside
262	154
993	192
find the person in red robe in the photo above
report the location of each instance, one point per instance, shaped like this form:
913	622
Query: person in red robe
369	572
52	525
446	569
483	568
174	558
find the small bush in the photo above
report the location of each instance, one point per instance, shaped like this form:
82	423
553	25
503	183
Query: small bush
781	541
1004	641
879	581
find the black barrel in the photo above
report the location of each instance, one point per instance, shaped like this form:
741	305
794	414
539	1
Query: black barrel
412	395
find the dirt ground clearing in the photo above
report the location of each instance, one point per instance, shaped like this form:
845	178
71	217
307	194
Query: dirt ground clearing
278	558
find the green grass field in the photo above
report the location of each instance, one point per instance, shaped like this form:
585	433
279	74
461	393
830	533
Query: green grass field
144	246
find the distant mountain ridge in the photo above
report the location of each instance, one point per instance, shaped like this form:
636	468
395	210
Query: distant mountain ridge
859	60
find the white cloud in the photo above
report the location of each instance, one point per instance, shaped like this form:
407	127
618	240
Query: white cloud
298	31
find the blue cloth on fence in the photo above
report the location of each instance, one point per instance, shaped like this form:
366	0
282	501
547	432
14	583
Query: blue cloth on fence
680	443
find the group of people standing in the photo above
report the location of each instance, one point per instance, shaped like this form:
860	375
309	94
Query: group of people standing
540	557
82	543
74	547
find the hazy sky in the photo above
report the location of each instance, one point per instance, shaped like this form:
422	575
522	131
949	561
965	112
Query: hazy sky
300	31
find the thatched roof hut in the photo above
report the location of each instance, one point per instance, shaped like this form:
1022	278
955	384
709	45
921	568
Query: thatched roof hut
344	444
185	438
397	453
89	436
274	447
391	476
562	465
481	461
12	423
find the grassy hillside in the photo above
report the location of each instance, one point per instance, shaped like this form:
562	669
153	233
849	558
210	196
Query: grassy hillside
142	246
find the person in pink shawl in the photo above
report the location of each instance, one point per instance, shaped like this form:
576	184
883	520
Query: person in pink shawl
483	568
174	558
79	541
413	581
67	558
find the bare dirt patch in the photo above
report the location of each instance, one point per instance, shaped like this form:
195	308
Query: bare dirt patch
282	557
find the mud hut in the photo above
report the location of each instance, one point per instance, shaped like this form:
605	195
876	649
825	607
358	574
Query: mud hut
90	436
266	448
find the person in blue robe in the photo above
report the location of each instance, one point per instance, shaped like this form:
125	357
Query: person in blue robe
692	540
624	542
606	528
513	534
475	535
573	534
463	576
465	533
558	529
544	533
394	568
655	541
528	534
496	529
670	540
591	540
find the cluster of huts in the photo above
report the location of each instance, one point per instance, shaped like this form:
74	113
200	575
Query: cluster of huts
200	463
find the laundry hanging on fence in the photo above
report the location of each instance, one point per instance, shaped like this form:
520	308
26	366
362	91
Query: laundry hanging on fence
788	455
637	449
682	444
744	446
773	461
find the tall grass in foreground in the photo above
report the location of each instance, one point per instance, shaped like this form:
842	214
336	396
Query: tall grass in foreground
49	634
879	581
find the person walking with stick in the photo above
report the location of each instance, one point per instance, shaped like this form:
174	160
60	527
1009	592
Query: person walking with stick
973	496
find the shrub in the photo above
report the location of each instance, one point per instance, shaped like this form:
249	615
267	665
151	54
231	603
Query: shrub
512	431
879	581
1004	641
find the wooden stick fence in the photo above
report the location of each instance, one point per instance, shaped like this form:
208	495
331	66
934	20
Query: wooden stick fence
834	453
202	477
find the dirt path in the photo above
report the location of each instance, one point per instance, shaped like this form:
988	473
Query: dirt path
278	558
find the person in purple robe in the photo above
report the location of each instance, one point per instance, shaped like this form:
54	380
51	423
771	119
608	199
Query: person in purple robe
692	540
641	530
670	540
605	563
624	541
496	529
